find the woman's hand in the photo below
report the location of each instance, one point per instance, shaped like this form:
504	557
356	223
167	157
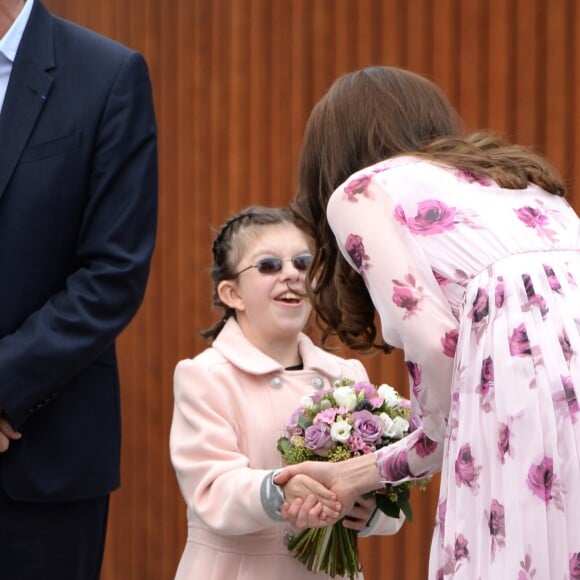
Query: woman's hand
360	514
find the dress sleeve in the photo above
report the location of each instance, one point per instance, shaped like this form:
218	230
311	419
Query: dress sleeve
372	234
214	475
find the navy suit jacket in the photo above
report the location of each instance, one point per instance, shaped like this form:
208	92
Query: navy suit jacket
78	203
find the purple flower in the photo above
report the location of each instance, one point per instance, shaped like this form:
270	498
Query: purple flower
368	426
317	438
465	470
552	279
541	478
424	446
397	467
496	519
369	390
355	249
499	294
480	305
532	217
575	566
519	342
449	342
405	298
433	217
533	298
357	186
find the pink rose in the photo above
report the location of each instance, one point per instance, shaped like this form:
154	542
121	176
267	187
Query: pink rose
355	249
532	217
433	217
449	342
357	186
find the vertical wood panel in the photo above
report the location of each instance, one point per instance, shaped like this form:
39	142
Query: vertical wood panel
234	82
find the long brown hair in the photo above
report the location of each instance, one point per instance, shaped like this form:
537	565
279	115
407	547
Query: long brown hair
365	117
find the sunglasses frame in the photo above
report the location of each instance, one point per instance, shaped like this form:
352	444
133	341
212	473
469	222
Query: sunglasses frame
301	263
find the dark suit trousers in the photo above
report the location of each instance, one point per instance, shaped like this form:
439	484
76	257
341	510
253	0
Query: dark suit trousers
52	541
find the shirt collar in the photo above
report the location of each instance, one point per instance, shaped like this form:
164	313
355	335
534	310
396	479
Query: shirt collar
11	40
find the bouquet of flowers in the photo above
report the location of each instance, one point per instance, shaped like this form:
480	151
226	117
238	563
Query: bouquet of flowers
334	425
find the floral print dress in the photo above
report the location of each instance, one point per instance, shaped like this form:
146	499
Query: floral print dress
478	285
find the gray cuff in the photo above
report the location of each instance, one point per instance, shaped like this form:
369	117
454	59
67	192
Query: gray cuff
272	496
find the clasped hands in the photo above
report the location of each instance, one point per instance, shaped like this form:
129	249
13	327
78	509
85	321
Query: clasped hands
315	496
7	433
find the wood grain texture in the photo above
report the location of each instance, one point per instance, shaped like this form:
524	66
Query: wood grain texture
234	81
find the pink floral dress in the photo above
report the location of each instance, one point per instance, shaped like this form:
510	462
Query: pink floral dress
478	286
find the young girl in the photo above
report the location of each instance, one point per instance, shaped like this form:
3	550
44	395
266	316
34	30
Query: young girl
233	401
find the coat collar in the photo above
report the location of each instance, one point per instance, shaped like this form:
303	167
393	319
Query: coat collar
28	89
233	345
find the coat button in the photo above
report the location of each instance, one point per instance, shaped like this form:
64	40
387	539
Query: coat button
317	382
276	382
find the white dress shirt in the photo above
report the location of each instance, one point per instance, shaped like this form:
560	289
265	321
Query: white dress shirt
9	45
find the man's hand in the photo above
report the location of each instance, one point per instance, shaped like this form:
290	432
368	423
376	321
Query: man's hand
360	514
7	434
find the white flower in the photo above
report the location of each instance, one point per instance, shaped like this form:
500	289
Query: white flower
389	395
325	404
345	397
306	402
399	428
340	431
387	424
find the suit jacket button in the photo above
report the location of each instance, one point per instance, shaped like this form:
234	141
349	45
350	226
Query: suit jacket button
276	382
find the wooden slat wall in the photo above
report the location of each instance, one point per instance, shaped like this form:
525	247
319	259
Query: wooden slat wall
234	81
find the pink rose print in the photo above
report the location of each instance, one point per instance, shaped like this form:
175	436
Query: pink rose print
433	217
544	483
503	444
571	398
400	215
519	342
533	298
449	342
407	295
461	551
466	472
532	217
396	467
480	306
499	294
441	511
356	250
496	522
470	177
441	280
566	346
357	186
526	572
424	446
535	218
487	384
554	283
415	373
575	566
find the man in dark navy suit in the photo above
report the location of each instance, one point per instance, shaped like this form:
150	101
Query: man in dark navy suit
78	202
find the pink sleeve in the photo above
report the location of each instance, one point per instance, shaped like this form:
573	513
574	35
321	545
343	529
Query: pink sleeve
414	313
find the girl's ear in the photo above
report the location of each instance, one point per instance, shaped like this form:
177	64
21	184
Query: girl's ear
228	292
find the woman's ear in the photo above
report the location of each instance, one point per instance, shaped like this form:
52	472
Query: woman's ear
228	292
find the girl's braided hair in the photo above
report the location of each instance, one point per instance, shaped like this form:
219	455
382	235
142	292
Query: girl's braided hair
229	245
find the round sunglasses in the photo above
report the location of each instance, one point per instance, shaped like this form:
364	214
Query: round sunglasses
275	265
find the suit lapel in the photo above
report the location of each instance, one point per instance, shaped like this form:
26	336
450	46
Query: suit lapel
28	90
